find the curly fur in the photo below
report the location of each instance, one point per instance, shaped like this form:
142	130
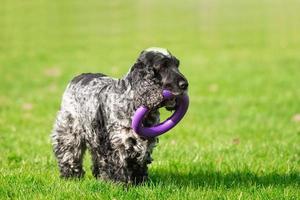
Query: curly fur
96	113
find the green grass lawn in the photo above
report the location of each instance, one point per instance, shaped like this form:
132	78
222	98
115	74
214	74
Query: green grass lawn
241	136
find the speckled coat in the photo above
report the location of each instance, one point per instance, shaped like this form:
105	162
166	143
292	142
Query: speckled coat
96	113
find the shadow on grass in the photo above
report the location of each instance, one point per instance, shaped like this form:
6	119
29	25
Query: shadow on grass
212	179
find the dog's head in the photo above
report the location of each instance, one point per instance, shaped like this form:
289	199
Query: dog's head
165	68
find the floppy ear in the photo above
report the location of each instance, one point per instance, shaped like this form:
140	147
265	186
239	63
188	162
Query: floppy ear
141	69
141	76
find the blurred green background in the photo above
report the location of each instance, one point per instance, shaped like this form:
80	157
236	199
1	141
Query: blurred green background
240	138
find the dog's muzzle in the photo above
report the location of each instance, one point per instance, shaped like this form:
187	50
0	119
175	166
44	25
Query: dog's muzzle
154	131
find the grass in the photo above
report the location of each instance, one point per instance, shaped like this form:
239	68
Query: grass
241	136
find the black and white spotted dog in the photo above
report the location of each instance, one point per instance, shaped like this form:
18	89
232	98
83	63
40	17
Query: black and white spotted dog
96	112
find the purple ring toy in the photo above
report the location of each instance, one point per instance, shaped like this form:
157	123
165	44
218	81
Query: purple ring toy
164	126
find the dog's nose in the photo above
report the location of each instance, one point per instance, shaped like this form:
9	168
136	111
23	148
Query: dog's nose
183	84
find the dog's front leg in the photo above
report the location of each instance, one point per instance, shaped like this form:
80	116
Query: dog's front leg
121	158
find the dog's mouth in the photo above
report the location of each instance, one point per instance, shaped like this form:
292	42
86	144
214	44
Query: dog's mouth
170	104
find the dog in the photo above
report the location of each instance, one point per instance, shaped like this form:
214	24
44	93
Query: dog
96	114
